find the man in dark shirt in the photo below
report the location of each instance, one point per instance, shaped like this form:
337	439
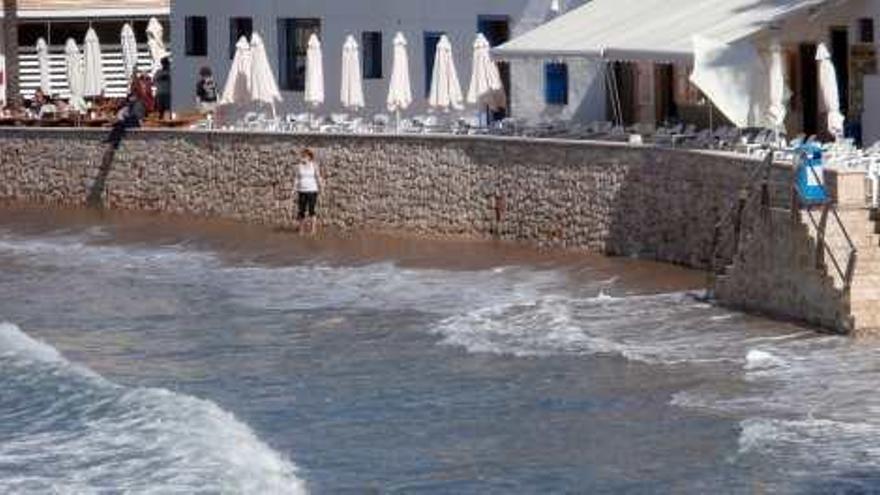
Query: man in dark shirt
162	80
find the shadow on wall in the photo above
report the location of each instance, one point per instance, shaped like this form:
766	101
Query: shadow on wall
95	198
669	203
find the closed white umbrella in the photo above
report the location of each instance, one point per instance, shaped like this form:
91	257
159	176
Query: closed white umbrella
352	88
129	50
156	43
93	84
445	88
238	85
264	88
829	90
486	88
75	74
314	90
43	61
777	108
399	88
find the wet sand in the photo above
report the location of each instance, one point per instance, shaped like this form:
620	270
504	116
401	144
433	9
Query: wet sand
238	243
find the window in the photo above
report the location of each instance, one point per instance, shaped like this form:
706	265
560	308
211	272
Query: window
556	84
196	36
431	40
496	29
372	46
293	43
866	30
238	27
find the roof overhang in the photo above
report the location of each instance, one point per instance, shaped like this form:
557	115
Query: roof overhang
649	30
91	13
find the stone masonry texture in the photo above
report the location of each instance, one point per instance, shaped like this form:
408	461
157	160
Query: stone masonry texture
612	198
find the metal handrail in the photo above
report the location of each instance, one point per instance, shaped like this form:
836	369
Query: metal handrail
845	276
737	208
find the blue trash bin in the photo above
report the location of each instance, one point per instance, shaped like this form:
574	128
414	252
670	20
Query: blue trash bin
810	174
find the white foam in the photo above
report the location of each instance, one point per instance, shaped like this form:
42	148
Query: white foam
758	359
95	435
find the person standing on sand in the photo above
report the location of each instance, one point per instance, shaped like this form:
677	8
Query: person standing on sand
308	183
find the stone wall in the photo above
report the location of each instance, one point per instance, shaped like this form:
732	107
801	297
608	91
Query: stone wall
614	198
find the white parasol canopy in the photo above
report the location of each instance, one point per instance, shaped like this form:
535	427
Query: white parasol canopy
263	85
829	90
129	50
238	85
43	61
352	87
93	79
314	91
445	88
733	77
776	110
156	43
486	88
75	75
399	89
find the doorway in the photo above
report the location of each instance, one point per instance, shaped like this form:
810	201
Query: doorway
809	87
496	29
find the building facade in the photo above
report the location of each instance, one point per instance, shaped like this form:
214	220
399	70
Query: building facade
25	21
205	32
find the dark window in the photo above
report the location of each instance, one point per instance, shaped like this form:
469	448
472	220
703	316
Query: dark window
238	27
372	46
556	83
29	33
196	36
866	30
293	43
431	40
496	29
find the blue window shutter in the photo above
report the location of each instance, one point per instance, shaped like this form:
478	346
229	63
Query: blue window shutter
556	84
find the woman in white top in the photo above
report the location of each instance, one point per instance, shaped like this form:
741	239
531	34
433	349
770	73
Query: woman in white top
308	183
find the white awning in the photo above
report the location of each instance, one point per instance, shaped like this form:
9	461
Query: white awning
657	30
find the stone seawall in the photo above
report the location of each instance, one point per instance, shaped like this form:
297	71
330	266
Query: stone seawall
613	198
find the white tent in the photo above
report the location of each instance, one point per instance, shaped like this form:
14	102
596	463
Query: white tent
399	88
237	89
93	84
777	103
655	30
732	76
263	85
829	90
445	88
352	87
156	43
75	75
43	61
129	50
486	88
314	90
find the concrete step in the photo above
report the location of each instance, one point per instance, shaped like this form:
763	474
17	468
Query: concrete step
866	313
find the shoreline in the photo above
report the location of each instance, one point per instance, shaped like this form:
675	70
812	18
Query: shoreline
241	242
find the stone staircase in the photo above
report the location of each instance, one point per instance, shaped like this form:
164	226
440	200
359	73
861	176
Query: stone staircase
785	264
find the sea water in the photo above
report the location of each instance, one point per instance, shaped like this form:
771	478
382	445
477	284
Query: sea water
141	356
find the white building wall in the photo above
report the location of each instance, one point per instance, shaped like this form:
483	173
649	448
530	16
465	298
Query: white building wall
458	18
